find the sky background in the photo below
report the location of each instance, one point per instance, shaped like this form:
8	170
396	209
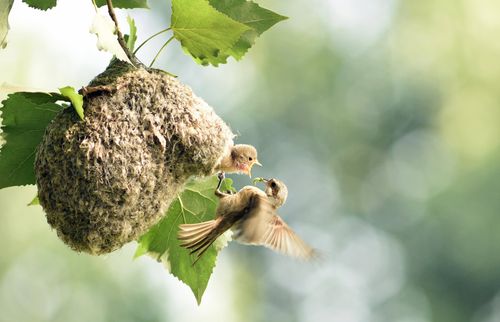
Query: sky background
381	116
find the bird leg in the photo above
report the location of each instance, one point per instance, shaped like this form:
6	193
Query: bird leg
217	192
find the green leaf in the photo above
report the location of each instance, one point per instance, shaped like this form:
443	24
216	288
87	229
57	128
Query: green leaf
204	32
34	202
75	99
132	36
5	7
41	4
250	14
25	117
125	4
195	204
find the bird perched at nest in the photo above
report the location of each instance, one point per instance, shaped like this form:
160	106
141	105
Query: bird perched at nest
107	179
251	214
240	159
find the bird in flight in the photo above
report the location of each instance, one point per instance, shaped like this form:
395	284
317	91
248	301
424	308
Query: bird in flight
251	215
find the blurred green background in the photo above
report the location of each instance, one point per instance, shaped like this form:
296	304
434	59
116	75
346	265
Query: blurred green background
382	117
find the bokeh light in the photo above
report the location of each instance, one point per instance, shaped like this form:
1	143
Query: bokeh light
381	116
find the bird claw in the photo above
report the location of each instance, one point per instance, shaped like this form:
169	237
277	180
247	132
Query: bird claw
221	177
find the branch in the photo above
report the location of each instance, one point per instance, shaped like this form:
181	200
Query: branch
119	34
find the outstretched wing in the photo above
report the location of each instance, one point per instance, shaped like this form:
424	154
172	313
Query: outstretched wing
264	227
281	238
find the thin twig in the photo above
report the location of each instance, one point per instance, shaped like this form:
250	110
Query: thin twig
145	41
88	90
119	35
161	49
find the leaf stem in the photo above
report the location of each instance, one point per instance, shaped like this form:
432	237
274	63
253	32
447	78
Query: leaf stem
156	34
161	49
119	34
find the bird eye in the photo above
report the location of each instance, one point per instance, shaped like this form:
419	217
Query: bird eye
273	185
250	159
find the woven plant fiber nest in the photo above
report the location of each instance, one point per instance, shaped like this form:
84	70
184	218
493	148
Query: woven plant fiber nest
105	180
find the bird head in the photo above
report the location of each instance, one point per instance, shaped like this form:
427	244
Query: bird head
244	157
276	191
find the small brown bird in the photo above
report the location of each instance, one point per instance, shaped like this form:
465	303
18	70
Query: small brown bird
251	215
240	159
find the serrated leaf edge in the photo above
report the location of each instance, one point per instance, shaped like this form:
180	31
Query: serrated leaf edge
41	9
163	258
231	46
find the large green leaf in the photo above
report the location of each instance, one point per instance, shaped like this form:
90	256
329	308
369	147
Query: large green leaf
250	14
125	4
25	117
5	7
195	204
204	32
41	4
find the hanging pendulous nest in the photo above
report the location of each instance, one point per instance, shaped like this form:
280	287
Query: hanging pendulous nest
105	180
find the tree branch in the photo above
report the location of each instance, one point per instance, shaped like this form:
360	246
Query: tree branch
119	34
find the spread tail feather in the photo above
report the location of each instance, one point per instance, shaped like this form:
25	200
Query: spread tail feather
198	237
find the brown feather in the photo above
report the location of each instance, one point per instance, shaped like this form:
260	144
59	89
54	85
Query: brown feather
264	227
252	216
192	235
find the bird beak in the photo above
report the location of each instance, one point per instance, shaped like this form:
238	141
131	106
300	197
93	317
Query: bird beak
249	170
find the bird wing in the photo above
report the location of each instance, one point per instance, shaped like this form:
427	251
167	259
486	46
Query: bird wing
198	237
281	238
264	227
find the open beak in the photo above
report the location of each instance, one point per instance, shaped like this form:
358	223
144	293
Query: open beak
249	170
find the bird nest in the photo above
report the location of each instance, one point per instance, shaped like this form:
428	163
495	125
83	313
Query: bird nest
105	180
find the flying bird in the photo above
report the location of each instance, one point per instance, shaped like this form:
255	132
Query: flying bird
251	215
